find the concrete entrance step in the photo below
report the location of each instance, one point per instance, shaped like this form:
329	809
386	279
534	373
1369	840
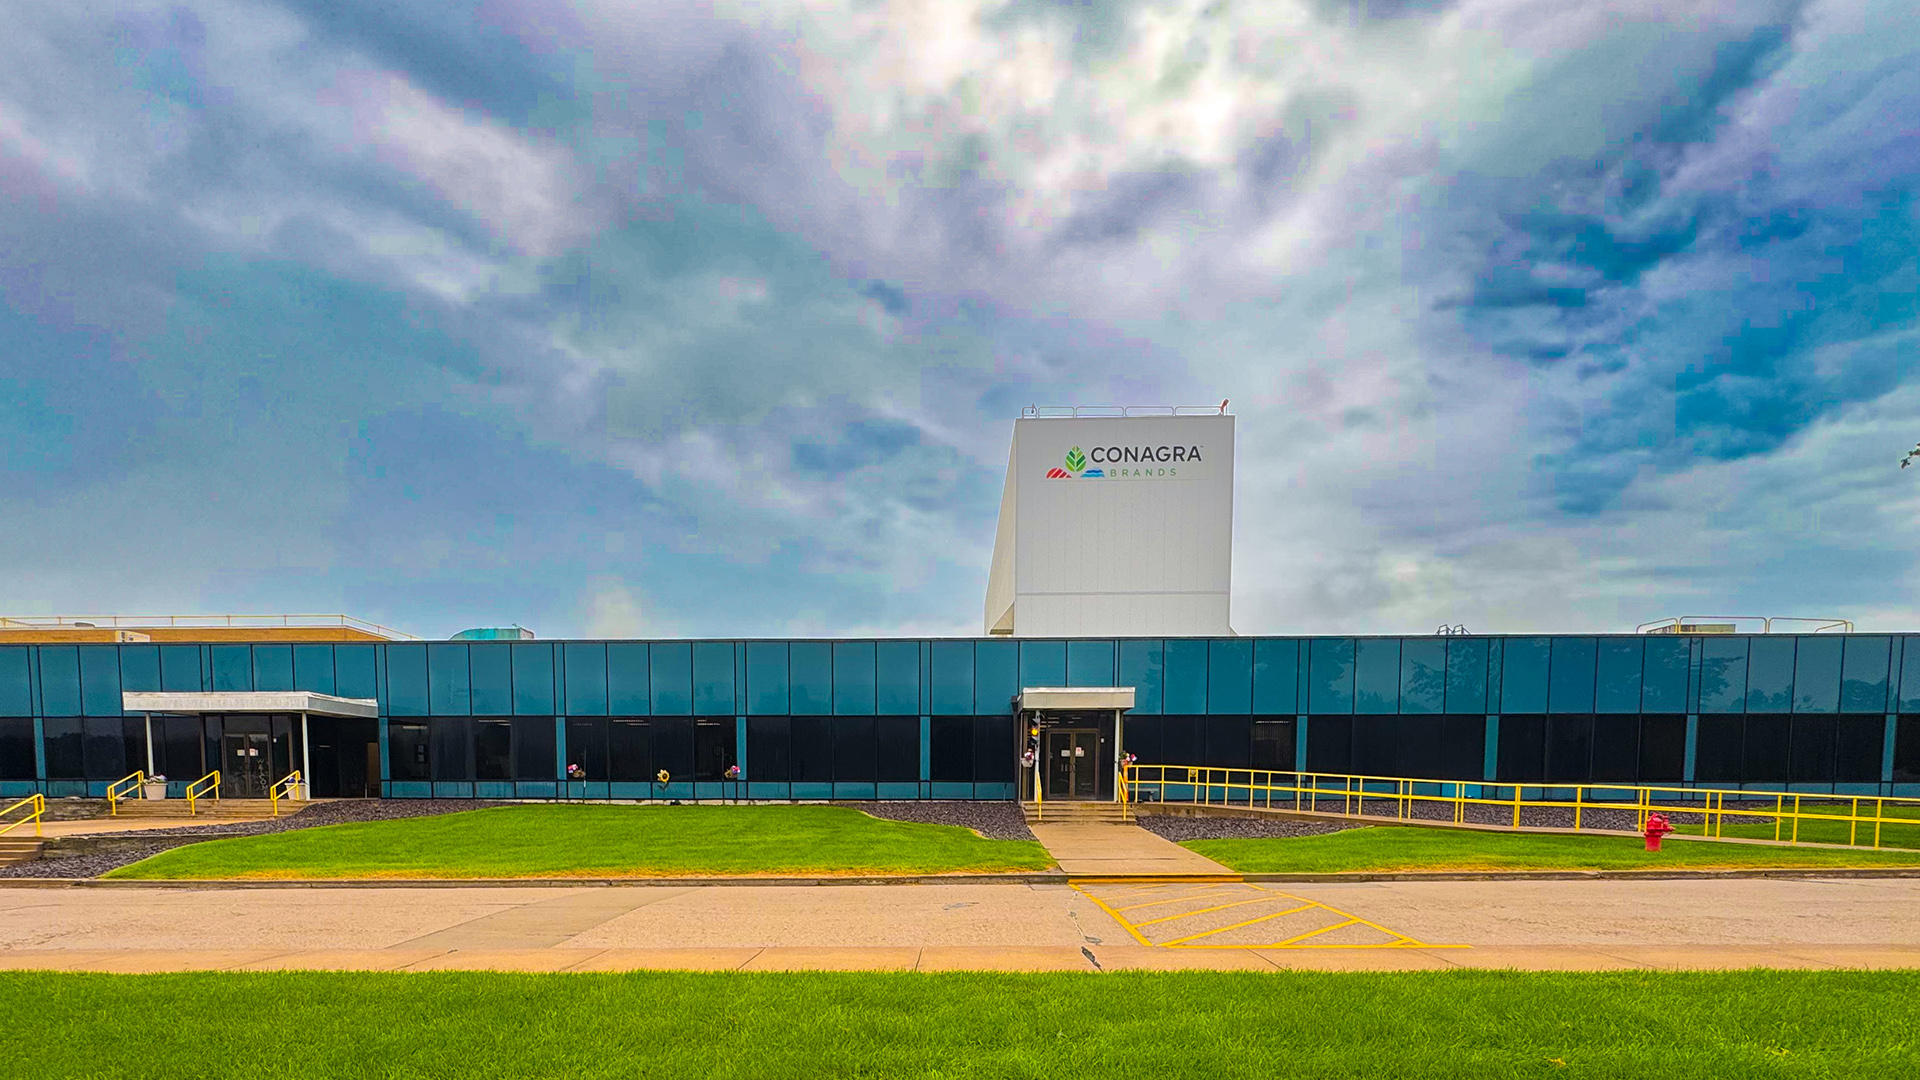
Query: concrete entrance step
1070	811
15	850
215	809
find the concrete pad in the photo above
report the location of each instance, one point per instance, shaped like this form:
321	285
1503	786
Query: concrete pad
505	960
344	960
1716	957
850	958
1867	957
52	959
1539	958
1396	959
667	960
1003	958
154	961
1099	850
1144	958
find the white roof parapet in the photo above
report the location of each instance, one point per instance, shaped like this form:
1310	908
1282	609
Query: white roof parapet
251	701
1076	697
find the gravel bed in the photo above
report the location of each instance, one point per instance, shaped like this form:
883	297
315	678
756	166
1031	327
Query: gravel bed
1179	827
993	820
335	812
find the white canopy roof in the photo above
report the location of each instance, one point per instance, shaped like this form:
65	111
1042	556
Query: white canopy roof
1070	698
252	701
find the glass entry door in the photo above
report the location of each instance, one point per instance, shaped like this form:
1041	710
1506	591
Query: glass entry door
245	762
1073	763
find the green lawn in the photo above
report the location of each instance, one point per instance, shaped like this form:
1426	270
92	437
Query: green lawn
1900	824
1172	1025
1383	848
600	841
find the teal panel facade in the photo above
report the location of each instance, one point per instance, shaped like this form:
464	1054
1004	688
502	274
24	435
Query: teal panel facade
1276	676
1186	690
1617	674
713	678
1664	683
16	681
768	682
853	678
490	677
1723	674
812	688
1330	675
1090	663
313	669
273	667
670	674
1376	675
233	667
1230	675
356	670
1523	674
100	680
449	687
139	668
896	678
1466	675
180	669
996	677
629	678
1863	674
1571	672
1143	667
1770	674
1043	663
1816	674
585	667
1423	675
406	679
952	678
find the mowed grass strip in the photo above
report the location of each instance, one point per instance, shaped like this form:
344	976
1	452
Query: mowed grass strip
1189	1024
601	841
1391	848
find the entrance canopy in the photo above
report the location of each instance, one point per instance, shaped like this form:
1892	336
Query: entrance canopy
253	701
1075	698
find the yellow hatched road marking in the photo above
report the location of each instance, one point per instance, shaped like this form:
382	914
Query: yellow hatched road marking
1205	910
1238	925
1298	941
1169	900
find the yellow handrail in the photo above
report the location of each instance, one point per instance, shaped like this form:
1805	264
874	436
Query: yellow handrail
286	785
1710	806
131	782
209	782
36	805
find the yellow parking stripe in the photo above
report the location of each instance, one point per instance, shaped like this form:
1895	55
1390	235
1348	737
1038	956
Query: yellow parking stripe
1238	925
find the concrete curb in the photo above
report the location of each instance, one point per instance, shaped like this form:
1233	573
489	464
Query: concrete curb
1348	877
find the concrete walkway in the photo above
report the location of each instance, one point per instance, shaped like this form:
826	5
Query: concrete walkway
1101	850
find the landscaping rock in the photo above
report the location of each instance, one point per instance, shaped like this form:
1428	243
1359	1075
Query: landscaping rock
993	820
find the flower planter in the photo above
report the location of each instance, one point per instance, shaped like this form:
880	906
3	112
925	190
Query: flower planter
154	791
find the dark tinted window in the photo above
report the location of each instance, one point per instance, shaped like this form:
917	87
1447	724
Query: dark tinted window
178	754
629	750
950	751
1764	760
1463	747
406	750
493	750
1906	748
533	750
587	745
1616	748
812	749
1229	741
1523	750
994	752
715	741
1859	749
854	752
1272	744
1376	745
673	746
1719	749
898	741
1421	752
106	747
767	758
1810	755
1569	749
16	748
1183	740
1330	744
1663	749
452	748
1142	739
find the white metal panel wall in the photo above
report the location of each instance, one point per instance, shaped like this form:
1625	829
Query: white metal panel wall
1145	547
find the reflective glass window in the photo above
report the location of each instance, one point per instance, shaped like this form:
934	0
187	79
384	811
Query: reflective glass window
1186	690
407	750
100	680
670	671
1616	746
1617	677
1770	673
1376	675
854	753
1570	689
533	685
1906	749
1463	748
713	678
16	748
1183	740
452	738
180	669
106	747
534	752
1142	666
355	673
16	682
1522	757
1663	749
1141	738
1329	678
1276	676
1229	742
448	693
1272	743
853	678
673	747
1909	694
60	683
490	678
1467	675
1859	749
950	752
273	667
767	760
1764	756
897	679
493	749
953	677
406	679
1523	676
812	678
629	679
233	668
811	749
1376	745
715	743
1423	675
313	668
1723	674
1090	663
1863	675
993	749
1664	689
1330	744
1718	747
1811	750
1816	674
587	746
1230	675
62	741
996	676
1421	748
897	745
1043	663
766	688
1569	748
629	750
586	675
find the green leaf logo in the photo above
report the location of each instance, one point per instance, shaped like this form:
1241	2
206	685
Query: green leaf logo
1076	460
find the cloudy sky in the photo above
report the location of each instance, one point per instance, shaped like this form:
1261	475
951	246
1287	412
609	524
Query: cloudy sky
663	318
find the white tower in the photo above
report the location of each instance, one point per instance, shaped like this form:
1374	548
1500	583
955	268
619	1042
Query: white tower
1115	524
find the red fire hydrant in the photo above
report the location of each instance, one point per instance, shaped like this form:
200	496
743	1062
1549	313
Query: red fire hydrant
1657	827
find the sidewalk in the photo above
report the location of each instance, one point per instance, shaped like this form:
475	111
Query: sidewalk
1101	850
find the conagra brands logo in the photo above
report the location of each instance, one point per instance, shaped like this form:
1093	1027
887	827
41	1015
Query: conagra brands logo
1115	461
